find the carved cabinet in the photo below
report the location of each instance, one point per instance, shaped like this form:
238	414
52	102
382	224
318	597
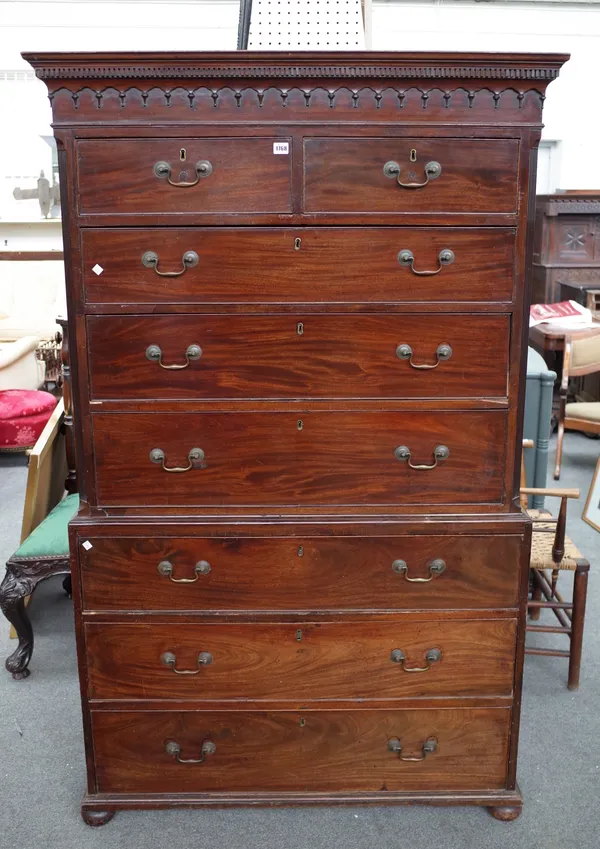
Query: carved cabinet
566	245
297	289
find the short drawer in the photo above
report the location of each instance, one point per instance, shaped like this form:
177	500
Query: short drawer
298	356
128	176
300	458
301	661
305	573
287	265
379	175
320	751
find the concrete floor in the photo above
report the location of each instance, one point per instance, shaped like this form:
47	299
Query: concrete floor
42	764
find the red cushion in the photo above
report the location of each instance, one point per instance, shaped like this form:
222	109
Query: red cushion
23	416
25	402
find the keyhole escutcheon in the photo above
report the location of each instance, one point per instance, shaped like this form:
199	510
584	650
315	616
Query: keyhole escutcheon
413	155
183	154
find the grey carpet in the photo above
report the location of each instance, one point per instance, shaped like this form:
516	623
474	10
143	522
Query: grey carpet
41	749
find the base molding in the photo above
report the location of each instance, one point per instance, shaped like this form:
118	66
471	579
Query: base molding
96	809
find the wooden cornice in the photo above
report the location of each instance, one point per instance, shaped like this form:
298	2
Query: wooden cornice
254	65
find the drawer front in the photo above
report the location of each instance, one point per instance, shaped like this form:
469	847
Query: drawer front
350	175
340	573
128	176
291	356
261	265
320	751
301	458
301	661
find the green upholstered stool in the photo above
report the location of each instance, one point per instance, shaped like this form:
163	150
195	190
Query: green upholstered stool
45	552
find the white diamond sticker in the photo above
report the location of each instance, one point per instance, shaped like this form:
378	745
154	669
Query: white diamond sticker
97	269
87	545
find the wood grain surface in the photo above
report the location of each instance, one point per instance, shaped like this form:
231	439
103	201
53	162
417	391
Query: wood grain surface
339	573
262	265
298	356
327	751
305	661
304	458
346	175
119	177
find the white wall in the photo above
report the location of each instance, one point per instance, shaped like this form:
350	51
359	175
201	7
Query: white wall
571	114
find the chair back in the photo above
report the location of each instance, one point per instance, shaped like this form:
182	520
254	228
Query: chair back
583	355
46	473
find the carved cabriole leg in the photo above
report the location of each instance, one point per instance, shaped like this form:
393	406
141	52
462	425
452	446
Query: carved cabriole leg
505	814
22	577
93	817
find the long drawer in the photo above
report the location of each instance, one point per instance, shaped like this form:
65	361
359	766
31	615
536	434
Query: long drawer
301	661
320	751
129	176
410	175
304	458
307	356
286	265
304	573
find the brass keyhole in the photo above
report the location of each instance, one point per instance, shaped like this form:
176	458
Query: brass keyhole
302	722
300	424
300	328
183	154
297	244
299	634
413	155
300	551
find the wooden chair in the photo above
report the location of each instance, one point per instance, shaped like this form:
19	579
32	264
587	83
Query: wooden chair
552	552
581	357
50	504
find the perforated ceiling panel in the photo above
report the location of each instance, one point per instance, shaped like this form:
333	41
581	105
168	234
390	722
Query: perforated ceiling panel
306	25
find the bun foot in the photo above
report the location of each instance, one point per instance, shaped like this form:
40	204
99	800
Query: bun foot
93	817
505	814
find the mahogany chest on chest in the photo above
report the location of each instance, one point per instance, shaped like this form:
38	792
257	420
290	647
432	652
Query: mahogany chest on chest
296	285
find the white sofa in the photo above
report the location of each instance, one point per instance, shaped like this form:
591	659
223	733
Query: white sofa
19	367
32	295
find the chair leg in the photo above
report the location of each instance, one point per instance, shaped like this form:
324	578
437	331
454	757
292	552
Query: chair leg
13	592
536	595
559	448
20	580
580	581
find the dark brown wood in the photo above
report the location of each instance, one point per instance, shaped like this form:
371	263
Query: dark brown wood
329	751
566	244
346	175
119	178
298	356
507	813
299	505
308	661
302	573
339	265
304	457
580	581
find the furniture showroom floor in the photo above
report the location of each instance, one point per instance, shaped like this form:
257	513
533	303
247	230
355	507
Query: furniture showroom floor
41	748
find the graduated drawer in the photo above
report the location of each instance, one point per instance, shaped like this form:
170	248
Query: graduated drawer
321	751
300	458
362	175
291	356
128	176
300	661
312	573
267	265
